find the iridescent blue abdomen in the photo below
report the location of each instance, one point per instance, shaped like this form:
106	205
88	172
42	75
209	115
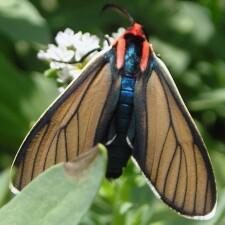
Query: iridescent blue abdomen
119	150
128	74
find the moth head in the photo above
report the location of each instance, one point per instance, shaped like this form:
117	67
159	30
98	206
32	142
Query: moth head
137	30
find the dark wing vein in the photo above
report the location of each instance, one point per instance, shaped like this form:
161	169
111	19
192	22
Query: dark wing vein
66	147
160	156
37	152
196	178
169	167
178	174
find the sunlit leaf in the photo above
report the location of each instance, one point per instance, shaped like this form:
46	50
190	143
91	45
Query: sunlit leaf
61	195
4	184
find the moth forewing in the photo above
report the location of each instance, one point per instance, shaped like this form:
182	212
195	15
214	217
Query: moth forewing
170	150
57	135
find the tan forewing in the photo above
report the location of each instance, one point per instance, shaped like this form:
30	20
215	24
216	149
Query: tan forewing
175	159
68	127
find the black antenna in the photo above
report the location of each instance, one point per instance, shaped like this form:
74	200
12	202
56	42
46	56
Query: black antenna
119	9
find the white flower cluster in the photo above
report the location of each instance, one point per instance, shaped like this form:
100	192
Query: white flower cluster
70	47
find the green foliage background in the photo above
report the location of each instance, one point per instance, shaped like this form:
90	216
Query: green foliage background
190	37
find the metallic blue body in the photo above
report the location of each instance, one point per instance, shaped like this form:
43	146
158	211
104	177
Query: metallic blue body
125	105
119	150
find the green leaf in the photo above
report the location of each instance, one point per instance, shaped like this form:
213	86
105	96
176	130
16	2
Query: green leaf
20	20
209	100
175	57
51	73
4	184
193	19
19	93
61	195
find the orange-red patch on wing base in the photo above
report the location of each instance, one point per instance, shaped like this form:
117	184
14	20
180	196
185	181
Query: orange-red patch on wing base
120	53
144	55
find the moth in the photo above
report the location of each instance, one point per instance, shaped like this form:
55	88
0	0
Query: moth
126	99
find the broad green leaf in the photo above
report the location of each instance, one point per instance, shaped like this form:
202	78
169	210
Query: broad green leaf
4	184
61	195
20	20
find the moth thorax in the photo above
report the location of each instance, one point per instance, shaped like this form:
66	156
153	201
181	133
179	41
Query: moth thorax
132	55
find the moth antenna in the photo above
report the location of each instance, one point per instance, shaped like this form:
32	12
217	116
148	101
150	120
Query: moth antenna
120	10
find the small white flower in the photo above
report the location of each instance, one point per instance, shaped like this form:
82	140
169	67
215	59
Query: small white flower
67	73
57	65
65	38
64	75
84	43
75	73
61	89
57	53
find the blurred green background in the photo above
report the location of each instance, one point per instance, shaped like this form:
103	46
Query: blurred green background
190	37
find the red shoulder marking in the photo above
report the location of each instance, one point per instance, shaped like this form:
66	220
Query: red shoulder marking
145	55
120	52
